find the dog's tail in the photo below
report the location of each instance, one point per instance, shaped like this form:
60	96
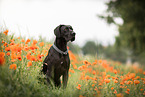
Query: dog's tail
44	68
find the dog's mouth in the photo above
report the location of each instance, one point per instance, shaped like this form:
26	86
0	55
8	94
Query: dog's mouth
72	39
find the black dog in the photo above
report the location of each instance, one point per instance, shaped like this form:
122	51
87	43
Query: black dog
57	62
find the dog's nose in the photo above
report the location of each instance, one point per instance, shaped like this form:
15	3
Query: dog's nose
73	33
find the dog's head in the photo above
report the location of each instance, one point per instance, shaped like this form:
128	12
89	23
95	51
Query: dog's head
65	31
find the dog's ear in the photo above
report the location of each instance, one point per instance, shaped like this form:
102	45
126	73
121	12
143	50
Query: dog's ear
57	31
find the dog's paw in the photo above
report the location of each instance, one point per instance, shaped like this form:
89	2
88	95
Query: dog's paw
44	69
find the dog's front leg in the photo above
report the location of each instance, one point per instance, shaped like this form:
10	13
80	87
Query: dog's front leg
65	79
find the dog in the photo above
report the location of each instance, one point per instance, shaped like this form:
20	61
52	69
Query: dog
57	62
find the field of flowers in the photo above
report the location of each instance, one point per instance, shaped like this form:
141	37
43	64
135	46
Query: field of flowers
21	62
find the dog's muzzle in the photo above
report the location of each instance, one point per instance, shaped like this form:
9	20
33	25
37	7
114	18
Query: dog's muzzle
73	36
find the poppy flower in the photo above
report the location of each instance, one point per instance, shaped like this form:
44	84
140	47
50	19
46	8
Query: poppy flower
13	56
2	58
100	84
121	83
39	56
107	80
99	61
94	63
28	56
32	47
19	49
112	88
119	95
115	71
2	54
34	42
87	77
19	58
5	44
3	41
22	40
32	58
85	62
81	96
115	81
72	71
6	32
127	92
103	73
141	89
12	40
115	92
80	68
93	85
136	81
41	43
144	72
27	41
8	54
129	82
7	49
26	48
74	66
94	72
144	93
14	48
79	87
108	76
69	75
29	64
13	66
132	75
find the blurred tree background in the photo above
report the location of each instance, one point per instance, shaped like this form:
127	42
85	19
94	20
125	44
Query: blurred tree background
130	43
132	32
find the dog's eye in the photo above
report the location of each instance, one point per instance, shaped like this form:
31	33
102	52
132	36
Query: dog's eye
71	28
65	29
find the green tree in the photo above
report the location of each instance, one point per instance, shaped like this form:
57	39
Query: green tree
74	48
111	52
132	31
93	48
89	48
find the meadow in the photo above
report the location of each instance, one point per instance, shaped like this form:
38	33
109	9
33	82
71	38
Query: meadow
21	62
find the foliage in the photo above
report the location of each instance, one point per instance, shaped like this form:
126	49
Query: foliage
116	54
92	48
89	48
108	52
74	48
131	32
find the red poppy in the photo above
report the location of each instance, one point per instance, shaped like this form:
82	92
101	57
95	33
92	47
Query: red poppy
29	64
41	43
6	32
13	66
2	59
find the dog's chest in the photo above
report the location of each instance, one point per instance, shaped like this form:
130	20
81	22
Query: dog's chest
63	64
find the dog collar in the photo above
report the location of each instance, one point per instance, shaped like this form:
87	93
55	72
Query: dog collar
58	50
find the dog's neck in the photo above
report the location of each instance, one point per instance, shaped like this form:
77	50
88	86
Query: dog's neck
61	44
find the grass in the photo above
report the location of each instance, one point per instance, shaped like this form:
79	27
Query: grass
21	61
